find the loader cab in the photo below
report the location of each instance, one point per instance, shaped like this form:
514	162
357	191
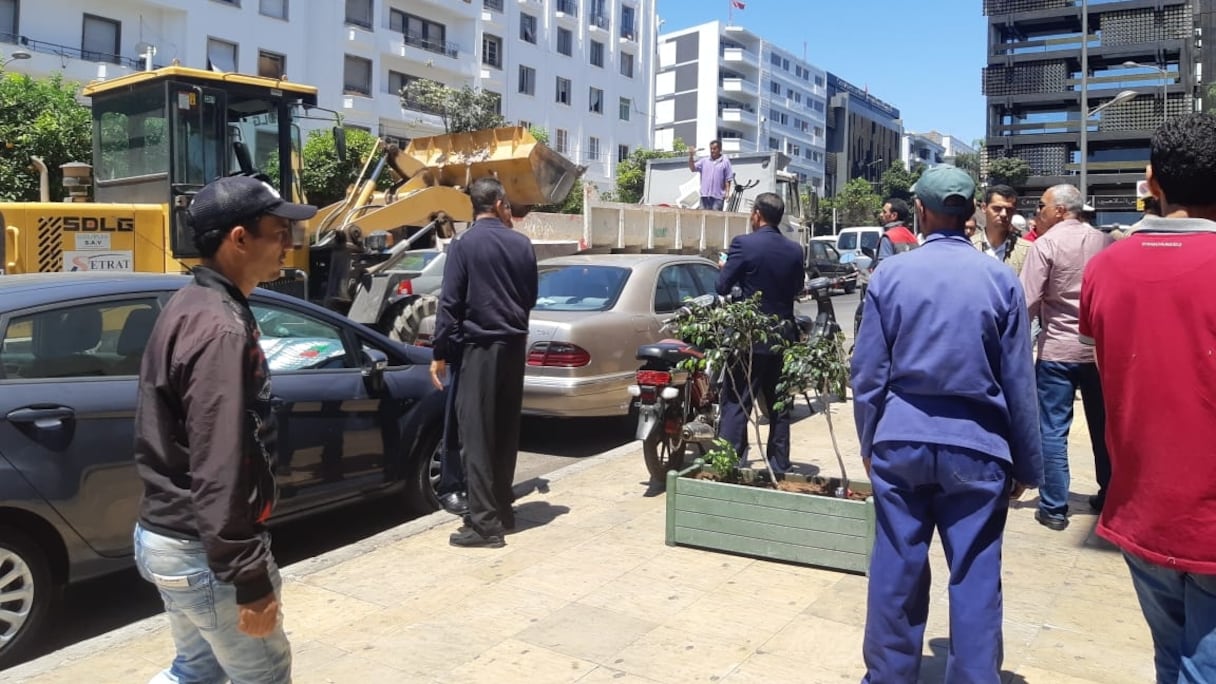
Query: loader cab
160	136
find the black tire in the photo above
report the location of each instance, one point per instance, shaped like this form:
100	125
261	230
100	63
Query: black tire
849	287
422	475
662	454
29	589
407	321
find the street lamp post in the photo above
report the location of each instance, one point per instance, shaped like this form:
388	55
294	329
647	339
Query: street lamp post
1086	115
15	55
1165	79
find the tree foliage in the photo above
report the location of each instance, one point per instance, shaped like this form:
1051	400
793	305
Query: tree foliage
40	117
1011	171
856	205
325	178
631	173
897	181
461	110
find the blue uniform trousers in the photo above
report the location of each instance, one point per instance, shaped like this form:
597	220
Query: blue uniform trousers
964	495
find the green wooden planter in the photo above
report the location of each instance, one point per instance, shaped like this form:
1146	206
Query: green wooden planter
771	524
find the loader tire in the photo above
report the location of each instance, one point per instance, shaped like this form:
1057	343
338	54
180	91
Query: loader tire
406	323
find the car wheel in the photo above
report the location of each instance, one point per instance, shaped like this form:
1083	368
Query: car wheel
421	492
406	324
27	591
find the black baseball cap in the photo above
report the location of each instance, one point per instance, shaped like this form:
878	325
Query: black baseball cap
227	201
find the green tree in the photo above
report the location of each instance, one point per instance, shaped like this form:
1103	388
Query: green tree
541	135
1008	171
325	178
461	110
897	182
857	204
40	117
969	162
631	173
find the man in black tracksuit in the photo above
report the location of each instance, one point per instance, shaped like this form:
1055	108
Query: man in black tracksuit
205	444
489	289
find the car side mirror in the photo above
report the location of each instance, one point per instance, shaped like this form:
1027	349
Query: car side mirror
374	363
868	251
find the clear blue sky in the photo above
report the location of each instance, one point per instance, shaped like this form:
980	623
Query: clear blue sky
922	56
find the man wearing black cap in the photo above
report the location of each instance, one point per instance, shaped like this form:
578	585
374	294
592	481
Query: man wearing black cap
947	435
204	445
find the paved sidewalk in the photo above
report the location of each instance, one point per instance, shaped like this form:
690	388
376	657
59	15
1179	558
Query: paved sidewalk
587	592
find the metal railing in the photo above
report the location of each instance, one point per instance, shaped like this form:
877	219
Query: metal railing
569	7
441	47
72	52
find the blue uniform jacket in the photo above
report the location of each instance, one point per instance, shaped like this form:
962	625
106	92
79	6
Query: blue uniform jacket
943	356
767	262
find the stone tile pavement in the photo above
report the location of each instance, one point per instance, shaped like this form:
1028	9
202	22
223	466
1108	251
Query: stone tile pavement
587	592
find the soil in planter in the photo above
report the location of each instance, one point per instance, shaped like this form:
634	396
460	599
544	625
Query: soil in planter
796	487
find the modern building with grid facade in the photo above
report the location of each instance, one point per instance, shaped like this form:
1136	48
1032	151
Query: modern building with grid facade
1033	85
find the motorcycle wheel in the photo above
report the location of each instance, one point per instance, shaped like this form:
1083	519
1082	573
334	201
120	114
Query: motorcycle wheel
662	453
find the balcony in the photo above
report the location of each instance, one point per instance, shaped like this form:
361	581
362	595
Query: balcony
451	8
567	8
597	22
444	56
628	33
738	85
737	115
738	57
735	145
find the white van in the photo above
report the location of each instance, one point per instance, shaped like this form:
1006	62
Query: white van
851	240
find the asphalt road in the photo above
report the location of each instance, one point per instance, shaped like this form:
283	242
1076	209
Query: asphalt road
95	607
92	608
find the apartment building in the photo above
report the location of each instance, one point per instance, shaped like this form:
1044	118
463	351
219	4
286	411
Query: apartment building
864	134
715	81
932	148
1034	82
579	69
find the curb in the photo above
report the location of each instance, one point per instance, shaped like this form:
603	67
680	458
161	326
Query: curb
89	648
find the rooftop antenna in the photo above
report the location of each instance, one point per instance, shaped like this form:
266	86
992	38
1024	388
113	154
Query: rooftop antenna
147	51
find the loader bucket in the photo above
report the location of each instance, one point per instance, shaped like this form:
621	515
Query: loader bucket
530	171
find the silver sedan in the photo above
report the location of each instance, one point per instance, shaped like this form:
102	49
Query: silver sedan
591	315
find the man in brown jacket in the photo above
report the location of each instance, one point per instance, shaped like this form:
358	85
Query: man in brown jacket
998	238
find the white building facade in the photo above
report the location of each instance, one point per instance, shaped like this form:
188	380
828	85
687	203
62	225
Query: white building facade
932	148
579	69
715	81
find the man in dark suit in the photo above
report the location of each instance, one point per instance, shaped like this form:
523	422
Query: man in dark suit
767	262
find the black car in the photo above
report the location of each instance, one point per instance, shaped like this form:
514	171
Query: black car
823	261
357	414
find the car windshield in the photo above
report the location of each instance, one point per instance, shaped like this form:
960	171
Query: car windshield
414	260
847	241
577	287
870	239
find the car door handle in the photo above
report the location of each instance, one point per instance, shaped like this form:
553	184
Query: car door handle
45	417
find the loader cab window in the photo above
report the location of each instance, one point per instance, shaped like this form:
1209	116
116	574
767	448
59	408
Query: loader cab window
198	128
131	131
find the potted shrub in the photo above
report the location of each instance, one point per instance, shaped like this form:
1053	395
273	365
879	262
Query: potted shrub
713	504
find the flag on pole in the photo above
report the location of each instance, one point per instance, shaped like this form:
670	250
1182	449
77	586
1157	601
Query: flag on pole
738	4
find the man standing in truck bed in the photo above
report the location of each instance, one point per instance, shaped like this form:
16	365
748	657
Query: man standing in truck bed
716	175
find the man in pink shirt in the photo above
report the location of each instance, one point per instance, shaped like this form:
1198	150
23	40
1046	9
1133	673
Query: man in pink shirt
716	175
1051	278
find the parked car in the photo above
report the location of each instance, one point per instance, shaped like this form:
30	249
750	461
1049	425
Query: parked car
357	417
421	271
823	261
853	240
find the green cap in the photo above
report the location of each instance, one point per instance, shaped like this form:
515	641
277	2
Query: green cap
939	183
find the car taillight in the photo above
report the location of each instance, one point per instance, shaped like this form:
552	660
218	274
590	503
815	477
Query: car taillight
653	378
559	354
405	287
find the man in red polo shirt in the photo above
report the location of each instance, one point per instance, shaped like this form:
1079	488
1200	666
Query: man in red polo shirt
1146	305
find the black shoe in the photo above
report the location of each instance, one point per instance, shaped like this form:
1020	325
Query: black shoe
456	503
1096	502
1051	522
470	539
655	488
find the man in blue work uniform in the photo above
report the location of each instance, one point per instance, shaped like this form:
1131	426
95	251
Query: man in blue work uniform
767	262
945	404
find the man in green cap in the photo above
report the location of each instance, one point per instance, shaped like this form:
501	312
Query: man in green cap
944	399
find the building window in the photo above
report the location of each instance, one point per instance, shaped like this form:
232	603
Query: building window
773	144
495	5
597	53
597	16
527	80
561	141
421	33
596	101
491	50
568	7
775	88
565	42
527	28
626	65
626	107
357	76
622	153
785	64
627	22
271	65
221	55
497	101
9	28
273	8
819	81
359	13
819	131
235	3
563	90
593	148
100	39
774	59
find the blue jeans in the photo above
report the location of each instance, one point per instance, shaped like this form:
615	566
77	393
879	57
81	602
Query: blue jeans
1180	609
203	617
1057	384
711	203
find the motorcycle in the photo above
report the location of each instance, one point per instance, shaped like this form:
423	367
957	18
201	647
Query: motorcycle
679	408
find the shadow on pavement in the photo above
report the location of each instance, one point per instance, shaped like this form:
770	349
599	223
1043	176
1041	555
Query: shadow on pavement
536	514
933	668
